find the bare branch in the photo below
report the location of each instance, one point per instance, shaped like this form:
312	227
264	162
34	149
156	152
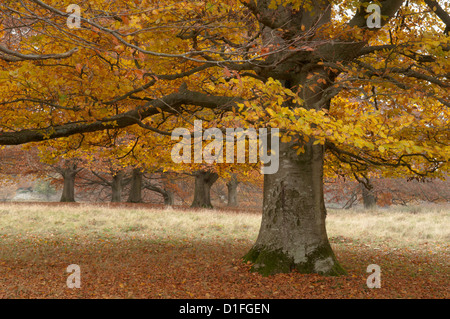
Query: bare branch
170	103
13	56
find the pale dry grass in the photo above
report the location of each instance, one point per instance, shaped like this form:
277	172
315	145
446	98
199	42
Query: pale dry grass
397	226
90	220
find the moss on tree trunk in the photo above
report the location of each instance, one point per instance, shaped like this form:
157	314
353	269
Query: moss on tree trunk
269	262
293	233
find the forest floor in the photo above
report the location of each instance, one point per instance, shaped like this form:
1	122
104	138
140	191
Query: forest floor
135	251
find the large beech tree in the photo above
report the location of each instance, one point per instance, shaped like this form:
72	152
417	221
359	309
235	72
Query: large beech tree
314	69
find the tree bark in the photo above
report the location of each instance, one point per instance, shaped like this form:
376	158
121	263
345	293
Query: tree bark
232	186
117	187
135	195
68	174
292	233
202	190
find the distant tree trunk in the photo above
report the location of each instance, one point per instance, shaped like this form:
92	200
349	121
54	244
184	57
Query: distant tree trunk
117	187
369	198
166	194
135	195
68	174
168	198
202	190
232	190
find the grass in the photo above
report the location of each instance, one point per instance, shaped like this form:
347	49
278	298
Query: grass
412	226
94	221
397	226
135	252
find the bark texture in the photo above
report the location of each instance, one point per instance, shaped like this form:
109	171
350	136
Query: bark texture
293	234
368	195
168	198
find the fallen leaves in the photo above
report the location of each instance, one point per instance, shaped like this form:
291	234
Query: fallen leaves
150	264
140	268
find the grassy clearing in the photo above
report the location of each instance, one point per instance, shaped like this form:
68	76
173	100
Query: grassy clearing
165	253
397	226
412	226
95	221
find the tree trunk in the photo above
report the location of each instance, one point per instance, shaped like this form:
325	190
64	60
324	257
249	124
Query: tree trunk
166	194
117	187
68	174
232	191
135	195
292	233
369	198
168	198
202	190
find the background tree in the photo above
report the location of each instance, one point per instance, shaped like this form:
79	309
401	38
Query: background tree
202	189
232	186
68	170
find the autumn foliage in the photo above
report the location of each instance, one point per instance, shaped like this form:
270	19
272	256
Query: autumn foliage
349	99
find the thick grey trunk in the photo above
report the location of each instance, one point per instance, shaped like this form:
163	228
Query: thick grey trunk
135	195
202	190
293	234
117	187
232	186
